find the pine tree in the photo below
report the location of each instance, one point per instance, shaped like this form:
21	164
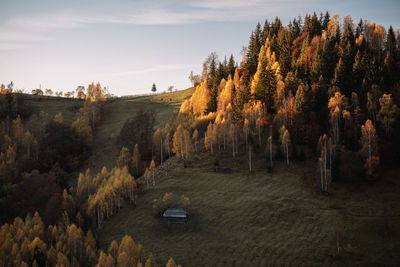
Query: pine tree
263	86
253	50
153	88
231	66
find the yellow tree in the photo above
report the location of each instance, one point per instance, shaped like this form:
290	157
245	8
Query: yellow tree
74	237
178	145
368	141
195	138
337	104
188	143
387	113
171	263
124	158
285	142
113	249
151	262
225	96
128	246
210	137
167	140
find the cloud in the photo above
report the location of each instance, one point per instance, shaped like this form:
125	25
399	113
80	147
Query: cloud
157	68
24	30
225	4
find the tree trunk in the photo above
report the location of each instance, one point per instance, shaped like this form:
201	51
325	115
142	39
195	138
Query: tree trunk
247	146
181	145
270	154
287	153
224	140
250	158
161	149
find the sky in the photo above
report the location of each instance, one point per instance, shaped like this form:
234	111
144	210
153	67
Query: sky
128	45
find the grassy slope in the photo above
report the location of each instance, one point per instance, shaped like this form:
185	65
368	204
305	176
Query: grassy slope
54	105
105	147
116	112
263	219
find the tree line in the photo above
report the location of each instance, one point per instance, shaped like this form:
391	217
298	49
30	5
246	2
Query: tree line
322	84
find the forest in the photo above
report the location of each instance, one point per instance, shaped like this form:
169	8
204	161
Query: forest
320	90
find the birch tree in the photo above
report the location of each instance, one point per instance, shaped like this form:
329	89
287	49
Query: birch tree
368	142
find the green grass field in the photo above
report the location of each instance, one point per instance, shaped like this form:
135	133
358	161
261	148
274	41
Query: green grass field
263	219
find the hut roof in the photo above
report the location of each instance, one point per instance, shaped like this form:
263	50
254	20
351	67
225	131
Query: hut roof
175	213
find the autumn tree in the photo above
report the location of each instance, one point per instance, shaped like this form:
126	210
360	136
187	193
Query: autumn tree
369	147
195	138
264	83
178	145
210	137
124	158
285	142
387	113
336	104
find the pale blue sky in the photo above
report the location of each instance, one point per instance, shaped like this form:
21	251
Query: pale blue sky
128	45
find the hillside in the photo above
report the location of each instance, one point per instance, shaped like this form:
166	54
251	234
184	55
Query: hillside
263	219
116	112
288	156
105	147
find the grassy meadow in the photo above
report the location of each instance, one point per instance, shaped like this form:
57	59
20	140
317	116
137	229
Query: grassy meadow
263	219
116	112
